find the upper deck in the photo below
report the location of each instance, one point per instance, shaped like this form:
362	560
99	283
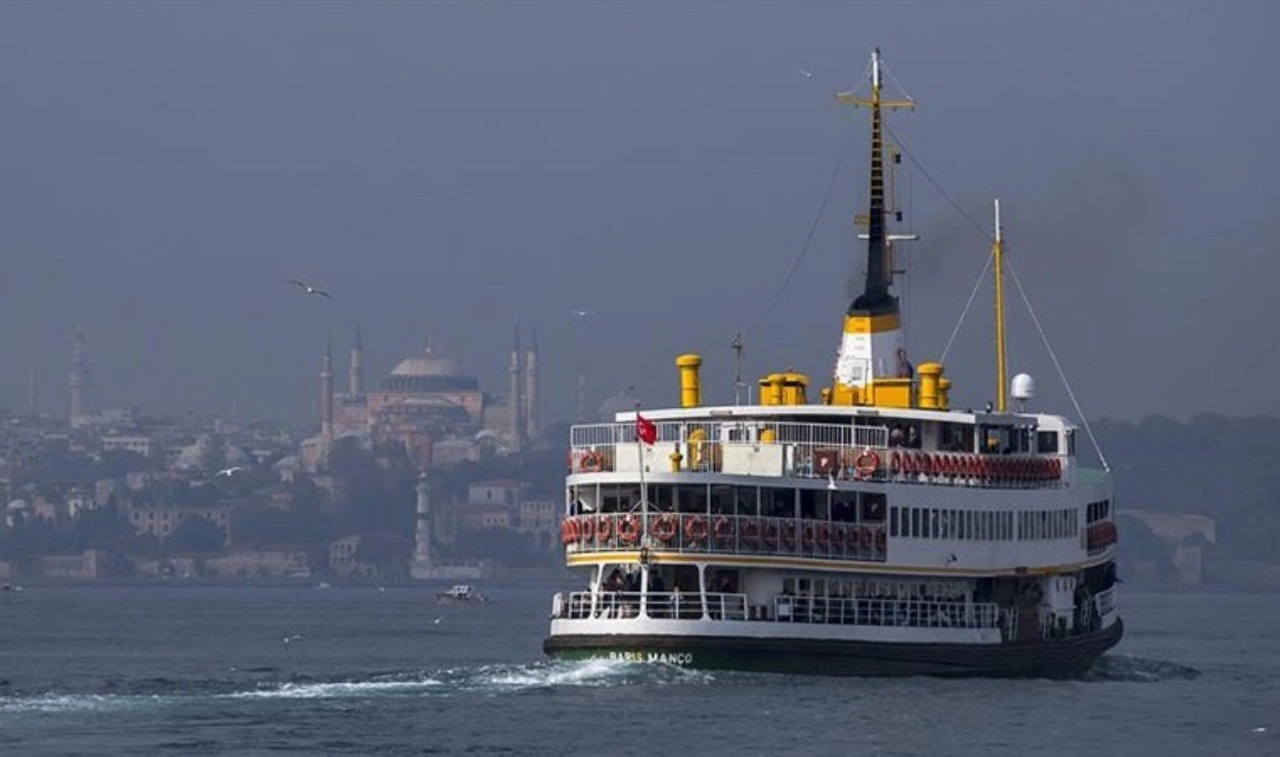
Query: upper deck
908	446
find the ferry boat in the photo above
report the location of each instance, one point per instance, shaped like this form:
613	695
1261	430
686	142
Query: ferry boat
875	531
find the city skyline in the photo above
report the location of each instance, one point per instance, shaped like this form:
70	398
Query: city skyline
163	208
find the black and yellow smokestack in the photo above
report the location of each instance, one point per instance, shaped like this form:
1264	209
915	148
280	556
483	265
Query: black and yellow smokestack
872	327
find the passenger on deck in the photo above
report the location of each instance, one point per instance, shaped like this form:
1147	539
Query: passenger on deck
913	437
896	437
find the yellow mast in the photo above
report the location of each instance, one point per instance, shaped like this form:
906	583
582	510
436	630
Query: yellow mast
997	252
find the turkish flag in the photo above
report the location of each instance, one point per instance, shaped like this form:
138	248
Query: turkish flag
646	431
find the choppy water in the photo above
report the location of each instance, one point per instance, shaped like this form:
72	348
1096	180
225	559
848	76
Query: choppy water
208	671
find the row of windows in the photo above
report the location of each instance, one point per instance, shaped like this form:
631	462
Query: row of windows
1049	524
766	501
1097	511
982	525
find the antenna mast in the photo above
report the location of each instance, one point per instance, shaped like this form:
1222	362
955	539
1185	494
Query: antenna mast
875	296
997	252
736	344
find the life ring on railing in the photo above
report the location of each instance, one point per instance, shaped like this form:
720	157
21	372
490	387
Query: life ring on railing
824	536
807	535
866	463
695	528
604	528
723	529
926	463
629	530
1055	467
751	531
566	533
909	463
880	539
789	533
586	529
895	461
771	533
591	462
837	535
665	528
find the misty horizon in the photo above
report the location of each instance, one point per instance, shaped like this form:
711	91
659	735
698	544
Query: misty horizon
447	170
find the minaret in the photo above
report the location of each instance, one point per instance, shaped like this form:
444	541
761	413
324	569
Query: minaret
531	387
872	336
421	567
517	407
326	391
33	397
78	379
355	382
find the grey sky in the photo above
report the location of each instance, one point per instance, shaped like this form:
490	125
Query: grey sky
449	167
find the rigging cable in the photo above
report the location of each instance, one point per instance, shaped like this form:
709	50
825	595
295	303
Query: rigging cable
1021	291
813	228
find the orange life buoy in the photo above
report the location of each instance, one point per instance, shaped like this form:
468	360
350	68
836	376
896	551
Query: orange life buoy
565	537
864	536
604	528
751	531
665	528
771	533
695	528
591	462
824	536
789	533
723	528
881	539
586	529
807	535
895	461
629	530
1055	467
866	463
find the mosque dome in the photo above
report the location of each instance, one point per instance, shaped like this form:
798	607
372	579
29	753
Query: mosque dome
427	365
429	373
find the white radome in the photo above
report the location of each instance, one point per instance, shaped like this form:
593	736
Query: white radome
1024	387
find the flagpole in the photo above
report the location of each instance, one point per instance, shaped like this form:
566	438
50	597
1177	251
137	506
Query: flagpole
644	489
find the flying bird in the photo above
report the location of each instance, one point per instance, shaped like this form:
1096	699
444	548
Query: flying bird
307	288
292	638
581	313
231	471
806	73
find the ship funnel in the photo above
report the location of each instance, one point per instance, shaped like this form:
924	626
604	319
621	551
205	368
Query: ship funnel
690	381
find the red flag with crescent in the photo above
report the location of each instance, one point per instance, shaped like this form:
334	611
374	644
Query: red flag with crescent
646	431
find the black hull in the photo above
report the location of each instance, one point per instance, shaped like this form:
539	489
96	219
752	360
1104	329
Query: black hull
1053	658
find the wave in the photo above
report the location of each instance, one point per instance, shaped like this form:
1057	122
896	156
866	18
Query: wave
483	679
1131	669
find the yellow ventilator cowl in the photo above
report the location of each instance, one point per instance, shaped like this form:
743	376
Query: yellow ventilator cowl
944	394
690	383
930	391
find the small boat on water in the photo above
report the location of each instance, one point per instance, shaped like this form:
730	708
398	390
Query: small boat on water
461	593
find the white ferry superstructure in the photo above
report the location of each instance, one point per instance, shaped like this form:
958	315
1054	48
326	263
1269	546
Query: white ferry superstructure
877	531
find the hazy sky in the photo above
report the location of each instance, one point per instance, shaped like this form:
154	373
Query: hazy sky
446	168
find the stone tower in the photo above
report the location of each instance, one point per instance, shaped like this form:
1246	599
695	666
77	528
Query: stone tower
422	565
78	380
531	387
517	388
326	391
355	381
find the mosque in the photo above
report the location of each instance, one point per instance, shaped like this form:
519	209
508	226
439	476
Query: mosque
431	407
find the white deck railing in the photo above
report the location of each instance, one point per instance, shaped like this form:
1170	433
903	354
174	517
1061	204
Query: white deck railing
583	605
726	535
672	604
800	450
915	613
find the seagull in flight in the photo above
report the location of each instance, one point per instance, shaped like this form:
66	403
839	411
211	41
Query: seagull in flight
292	638
305	287
806	73
581	313
231	471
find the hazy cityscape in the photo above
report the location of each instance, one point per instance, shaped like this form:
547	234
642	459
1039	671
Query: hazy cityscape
554	377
